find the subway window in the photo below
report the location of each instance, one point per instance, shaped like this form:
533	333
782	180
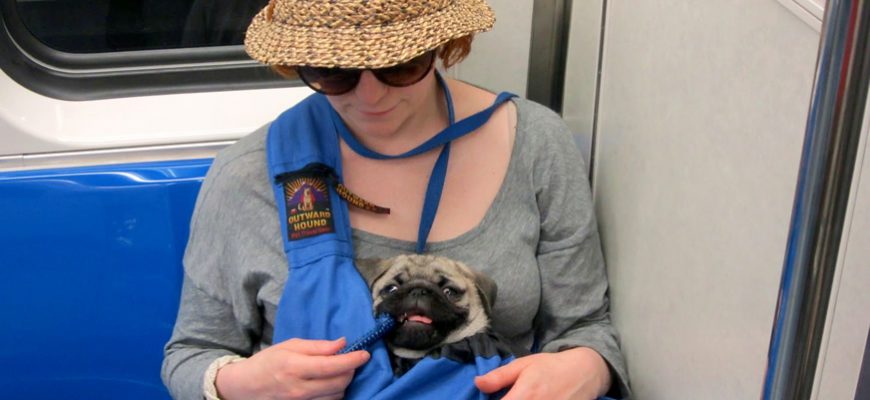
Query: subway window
100	26
92	49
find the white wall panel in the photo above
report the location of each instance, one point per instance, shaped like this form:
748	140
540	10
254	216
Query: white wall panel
31	123
701	122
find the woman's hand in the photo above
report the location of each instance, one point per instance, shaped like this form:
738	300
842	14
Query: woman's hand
578	373
294	369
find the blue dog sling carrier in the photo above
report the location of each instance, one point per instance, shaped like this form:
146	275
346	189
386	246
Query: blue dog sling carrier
325	297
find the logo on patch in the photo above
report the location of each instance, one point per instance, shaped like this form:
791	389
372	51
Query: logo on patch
308	208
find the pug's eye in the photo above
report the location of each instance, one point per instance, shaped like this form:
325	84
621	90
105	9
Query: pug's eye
450	292
389	289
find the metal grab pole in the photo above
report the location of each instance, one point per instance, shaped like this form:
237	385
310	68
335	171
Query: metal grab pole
822	193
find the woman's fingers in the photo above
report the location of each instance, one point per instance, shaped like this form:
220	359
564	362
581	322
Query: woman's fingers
501	377
293	369
312	347
320	367
332	387
316	359
570	374
332	397
527	387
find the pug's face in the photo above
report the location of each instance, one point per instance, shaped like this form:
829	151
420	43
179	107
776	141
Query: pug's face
435	300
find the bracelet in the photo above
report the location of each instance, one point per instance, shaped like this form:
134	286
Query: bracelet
209	390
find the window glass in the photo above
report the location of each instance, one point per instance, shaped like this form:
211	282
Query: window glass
100	26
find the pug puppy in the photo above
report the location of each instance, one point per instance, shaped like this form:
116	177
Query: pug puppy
435	301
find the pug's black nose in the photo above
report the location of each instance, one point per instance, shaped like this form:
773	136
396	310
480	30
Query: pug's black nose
420	292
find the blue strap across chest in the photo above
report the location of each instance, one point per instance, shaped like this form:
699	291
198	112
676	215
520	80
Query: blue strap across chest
325	297
439	172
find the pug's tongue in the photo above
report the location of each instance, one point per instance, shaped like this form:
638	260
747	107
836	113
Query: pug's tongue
419	318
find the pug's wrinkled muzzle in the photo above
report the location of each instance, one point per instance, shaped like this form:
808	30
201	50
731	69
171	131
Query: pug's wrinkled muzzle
425	315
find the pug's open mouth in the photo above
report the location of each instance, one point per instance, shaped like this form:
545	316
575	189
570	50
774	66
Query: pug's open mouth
414	318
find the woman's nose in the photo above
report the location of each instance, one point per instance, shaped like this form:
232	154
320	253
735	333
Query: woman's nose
369	89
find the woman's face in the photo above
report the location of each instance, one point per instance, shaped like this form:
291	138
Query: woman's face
375	110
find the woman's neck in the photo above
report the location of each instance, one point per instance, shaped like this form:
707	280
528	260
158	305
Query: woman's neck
426	121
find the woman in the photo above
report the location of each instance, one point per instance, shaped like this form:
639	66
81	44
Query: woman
514	203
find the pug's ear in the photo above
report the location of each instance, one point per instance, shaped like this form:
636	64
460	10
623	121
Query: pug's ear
487	289
371	269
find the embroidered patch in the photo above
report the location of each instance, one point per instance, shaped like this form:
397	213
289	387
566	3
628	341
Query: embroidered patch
309	212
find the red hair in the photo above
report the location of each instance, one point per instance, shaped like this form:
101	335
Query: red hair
454	51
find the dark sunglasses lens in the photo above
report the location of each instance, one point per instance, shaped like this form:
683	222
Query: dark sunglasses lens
407	73
330	81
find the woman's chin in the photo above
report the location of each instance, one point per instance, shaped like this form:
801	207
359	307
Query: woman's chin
375	130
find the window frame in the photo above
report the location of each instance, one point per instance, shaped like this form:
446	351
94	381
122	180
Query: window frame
94	76
810	11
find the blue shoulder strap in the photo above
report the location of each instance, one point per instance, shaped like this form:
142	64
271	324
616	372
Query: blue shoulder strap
324	296
439	172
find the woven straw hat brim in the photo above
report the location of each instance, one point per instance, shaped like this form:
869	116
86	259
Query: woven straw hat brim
380	46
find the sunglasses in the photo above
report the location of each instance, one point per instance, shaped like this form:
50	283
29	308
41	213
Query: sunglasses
336	81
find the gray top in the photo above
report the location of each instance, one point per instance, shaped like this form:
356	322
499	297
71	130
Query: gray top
538	241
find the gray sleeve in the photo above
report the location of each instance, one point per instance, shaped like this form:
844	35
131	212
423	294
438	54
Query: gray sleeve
574	303
204	330
219	313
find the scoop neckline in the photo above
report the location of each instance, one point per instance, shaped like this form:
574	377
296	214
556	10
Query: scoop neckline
488	217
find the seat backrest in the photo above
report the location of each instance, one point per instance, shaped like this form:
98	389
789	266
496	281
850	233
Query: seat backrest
90	277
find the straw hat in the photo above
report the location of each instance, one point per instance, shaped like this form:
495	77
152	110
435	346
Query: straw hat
360	33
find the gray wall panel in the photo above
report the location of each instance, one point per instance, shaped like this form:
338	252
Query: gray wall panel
700	126
499	59
581	78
